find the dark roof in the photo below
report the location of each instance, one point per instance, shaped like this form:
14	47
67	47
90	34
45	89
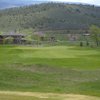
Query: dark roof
12	34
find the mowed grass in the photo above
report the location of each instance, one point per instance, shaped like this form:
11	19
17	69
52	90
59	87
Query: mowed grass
58	69
61	56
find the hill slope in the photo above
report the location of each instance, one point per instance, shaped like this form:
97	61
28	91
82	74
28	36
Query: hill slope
49	16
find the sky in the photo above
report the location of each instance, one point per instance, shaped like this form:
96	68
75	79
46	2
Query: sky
93	2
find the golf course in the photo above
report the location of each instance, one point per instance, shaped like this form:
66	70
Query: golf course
49	73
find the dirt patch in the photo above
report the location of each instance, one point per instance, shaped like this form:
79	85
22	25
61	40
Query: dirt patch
51	95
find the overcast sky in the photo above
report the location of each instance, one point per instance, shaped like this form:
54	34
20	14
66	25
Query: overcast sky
94	2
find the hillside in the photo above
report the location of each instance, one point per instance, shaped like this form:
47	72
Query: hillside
50	16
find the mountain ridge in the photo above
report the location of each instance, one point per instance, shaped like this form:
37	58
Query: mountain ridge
18	3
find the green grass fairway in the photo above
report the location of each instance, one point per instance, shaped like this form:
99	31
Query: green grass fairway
69	57
58	69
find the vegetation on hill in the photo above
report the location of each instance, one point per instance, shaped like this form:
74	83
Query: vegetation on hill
49	16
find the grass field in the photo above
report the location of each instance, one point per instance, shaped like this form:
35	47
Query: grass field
58	69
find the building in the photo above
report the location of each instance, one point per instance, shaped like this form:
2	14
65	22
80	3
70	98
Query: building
16	37
1	39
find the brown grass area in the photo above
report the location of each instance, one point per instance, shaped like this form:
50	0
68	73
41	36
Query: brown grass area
47	96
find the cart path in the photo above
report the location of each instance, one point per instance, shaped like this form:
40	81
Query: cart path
50	95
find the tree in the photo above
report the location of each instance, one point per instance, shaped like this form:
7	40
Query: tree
28	39
0	32
8	40
95	34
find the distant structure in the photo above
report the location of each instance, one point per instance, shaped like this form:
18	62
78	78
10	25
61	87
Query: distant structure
17	37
